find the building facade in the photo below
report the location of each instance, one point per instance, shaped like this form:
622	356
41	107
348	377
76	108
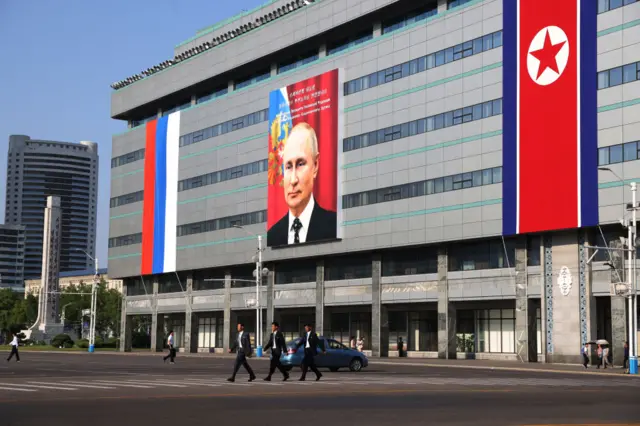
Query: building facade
12	257
420	250
37	169
76	278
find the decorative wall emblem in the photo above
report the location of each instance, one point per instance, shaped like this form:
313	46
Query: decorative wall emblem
565	280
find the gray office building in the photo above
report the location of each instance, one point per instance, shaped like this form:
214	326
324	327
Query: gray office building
427	246
37	169
12	257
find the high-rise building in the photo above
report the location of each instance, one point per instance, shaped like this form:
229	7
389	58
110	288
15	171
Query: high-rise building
37	169
12	257
464	157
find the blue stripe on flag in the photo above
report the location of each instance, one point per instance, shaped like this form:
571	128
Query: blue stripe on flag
509	117
160	195
588	113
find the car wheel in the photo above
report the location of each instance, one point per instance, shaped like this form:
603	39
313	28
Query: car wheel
334	369
355	364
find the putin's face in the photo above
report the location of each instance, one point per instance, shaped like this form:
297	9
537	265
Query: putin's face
300	171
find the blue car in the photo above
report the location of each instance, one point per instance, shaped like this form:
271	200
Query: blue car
337	356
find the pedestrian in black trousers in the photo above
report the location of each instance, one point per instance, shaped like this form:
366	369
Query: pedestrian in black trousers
278	346
310	341
172	349
14	349
242	345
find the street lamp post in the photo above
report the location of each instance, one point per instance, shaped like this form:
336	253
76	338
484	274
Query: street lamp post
258	273
94	303
631	276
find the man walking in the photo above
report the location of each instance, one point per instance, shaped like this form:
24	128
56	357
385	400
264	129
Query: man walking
242	345
14	349
172	350
278	346
310	342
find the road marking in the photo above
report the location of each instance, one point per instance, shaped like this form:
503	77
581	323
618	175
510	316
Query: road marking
19	390
82	385
145	382
122	384
221	382
41	386
77	385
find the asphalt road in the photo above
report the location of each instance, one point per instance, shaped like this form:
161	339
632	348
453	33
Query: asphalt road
110	389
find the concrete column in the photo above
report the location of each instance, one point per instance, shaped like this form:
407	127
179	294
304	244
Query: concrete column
271	278
226	332
129	124
320	319
565	294
189	329
231	86
588	300
442	6
619	333
447	344
377	29
155	321
323	50
379	314
274	69
126	324
525	321
194	99
159	113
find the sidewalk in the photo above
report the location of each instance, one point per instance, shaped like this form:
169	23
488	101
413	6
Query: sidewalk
414	362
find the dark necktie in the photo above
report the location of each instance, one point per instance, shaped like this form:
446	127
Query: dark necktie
297	225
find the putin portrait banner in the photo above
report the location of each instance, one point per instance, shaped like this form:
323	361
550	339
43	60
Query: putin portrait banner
305	129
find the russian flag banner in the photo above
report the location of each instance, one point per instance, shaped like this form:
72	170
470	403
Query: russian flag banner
550	134
160	205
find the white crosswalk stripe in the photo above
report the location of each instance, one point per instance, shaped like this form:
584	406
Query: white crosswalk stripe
148	383
126	385
75	385
24	385
18	389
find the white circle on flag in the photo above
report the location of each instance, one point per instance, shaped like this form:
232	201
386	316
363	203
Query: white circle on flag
556	37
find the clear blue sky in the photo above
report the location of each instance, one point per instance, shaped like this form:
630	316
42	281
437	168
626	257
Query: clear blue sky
59	58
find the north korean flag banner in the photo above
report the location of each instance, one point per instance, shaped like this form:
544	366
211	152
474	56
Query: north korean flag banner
550	115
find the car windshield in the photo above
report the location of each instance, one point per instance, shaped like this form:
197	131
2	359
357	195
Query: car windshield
336	345
293	343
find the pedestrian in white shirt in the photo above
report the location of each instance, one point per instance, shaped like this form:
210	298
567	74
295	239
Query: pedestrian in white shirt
14	349
172	350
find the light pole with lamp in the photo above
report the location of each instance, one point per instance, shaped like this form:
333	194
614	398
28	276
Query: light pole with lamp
631	280
258	273
94	297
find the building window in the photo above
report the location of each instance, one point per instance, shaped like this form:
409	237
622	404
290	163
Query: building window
455	53
212	95
136	123
410	18
226	127
122	200
136	287
125	240
482	255
253	79
176	108
347	268
410	262
422	125
422	188
344	44
607	5
533	250
455	3
618	153
297	62
208	279
210	332
496	330
127	158
172	283
222	223
299	271
223	175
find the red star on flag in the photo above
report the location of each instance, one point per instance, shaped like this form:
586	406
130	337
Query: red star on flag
547	55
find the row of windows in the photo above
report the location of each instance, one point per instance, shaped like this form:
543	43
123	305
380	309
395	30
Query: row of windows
127	158
428	124
619	75
125	240
422	188
455	3
176	109
347	43
136	123
226	127
618	153
410	18
125	199
444	56
298	62
215	94
607	5
223	175
223	223
255	78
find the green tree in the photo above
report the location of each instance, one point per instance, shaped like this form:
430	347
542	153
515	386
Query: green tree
25	311
109	303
